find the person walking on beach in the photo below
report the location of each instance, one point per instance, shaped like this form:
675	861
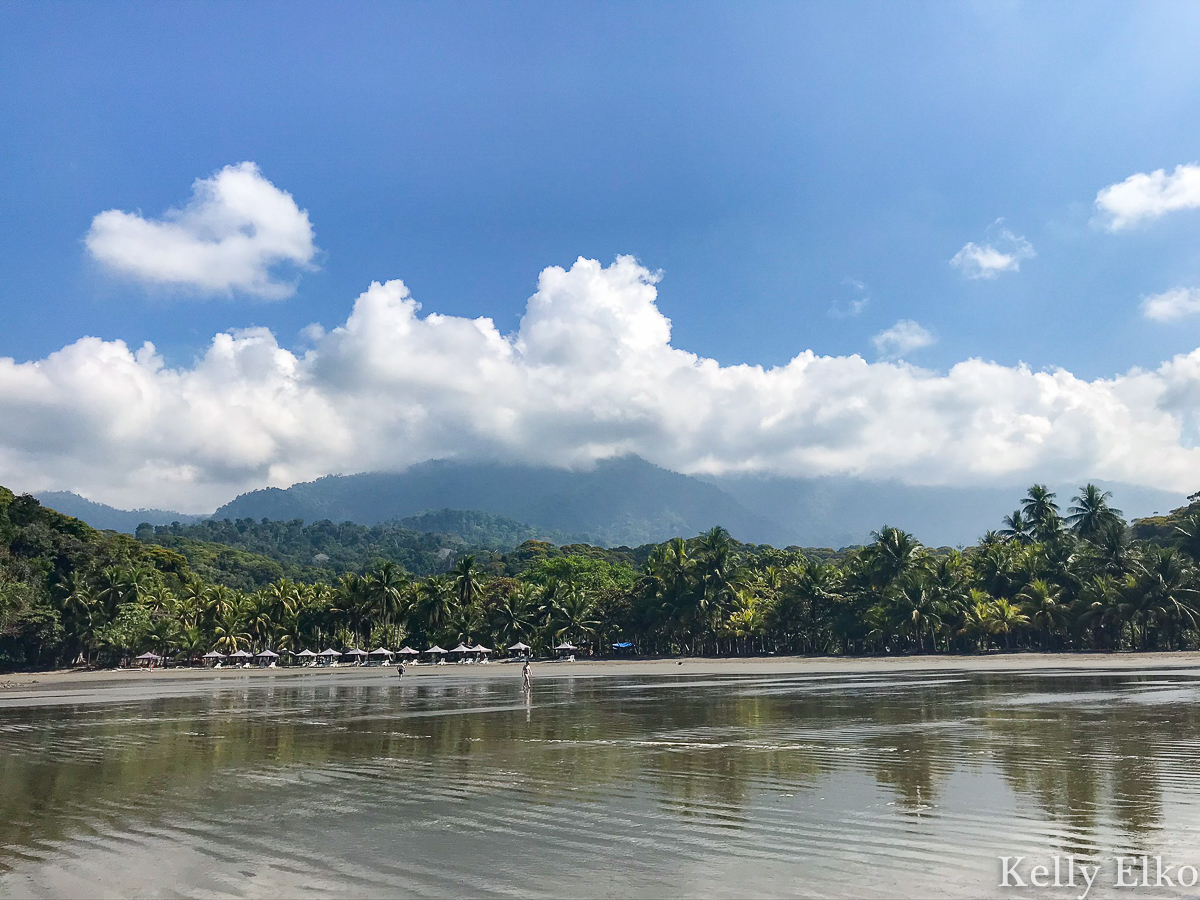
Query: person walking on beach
400	670
525	681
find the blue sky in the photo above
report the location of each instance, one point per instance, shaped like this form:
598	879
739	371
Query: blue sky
778	163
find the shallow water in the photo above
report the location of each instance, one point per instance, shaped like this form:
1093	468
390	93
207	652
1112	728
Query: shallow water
847	786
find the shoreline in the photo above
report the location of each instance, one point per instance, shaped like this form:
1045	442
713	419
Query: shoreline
49	682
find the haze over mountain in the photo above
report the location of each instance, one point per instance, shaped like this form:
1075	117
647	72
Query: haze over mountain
630	501
619	501
109	518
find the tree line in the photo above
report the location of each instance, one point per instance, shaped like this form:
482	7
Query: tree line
1079	578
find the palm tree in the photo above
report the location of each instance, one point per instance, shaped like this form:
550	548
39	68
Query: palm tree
1102	608
81	608
1166	592
513	616
1016	528
1110	550
388	588
916	611
230	633
1091	512
1040	601
467	589
1006	618
892	555
715	568
574	615
977	617
1041	512
746	617
436	604
1188	533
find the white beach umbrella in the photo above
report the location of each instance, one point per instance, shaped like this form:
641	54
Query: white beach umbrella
566	646
520	646
213	654
436	649
354	651
149	656
270	654
329	652
461	648
409	651
240	654
306	653
479	648
381	651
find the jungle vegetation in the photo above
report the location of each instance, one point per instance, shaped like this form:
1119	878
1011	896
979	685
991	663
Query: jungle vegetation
1053	576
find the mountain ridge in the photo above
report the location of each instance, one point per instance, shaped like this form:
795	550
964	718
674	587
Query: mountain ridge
630	501
619	501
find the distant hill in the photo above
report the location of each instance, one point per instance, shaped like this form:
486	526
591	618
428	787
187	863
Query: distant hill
108	518
619	501
248	553
479	529
626	501
839	512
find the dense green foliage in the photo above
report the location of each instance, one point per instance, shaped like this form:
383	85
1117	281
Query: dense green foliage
1082	579
248	554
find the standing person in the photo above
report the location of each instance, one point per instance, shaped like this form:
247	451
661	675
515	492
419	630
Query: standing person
525	673
400	670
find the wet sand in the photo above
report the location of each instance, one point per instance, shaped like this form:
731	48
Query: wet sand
81	686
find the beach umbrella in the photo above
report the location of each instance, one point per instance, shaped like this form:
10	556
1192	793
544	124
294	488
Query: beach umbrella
213	654
240	654
520	646
479	648
461	648
269	654
330	653
149	656
409	651
306	653
354	651
381	651
436	649
566	646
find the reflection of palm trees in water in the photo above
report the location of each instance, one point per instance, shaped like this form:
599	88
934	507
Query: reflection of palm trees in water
707	751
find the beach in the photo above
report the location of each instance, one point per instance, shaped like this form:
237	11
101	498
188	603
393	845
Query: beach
77	685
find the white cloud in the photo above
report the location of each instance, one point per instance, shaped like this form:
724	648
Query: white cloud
903	337
853	307
1140	197
589	373
1172	305
1003	254
232	235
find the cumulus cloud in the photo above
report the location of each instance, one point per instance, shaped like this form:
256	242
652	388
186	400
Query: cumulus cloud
589	373
903	337
1148	196
1003	253
234	234
1170	306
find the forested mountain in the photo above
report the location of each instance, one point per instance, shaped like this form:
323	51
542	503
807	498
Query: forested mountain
247	554
620	501
103	517
624	501
479	529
